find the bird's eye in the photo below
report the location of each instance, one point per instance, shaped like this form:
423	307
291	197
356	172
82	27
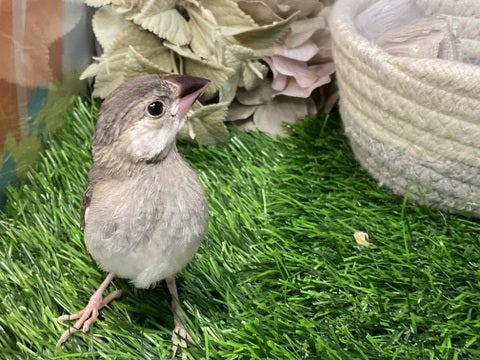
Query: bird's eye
155	108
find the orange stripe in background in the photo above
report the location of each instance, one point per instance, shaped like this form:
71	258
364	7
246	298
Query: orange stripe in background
9	118
30	56
56	48
46	17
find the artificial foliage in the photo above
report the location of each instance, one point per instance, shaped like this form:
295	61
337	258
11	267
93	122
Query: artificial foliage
279	49
282	274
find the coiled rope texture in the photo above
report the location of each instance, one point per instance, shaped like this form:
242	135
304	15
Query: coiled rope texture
413	124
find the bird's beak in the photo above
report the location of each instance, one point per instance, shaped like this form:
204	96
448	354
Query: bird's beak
189	89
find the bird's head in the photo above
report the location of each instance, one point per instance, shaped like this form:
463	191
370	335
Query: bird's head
140	119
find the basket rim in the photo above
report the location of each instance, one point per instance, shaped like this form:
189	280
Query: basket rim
342	25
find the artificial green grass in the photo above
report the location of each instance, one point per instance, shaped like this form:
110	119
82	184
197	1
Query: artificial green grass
279	275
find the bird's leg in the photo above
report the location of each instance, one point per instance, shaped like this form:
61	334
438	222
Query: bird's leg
180	335
90	313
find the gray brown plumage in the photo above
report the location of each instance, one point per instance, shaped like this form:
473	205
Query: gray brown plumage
145	211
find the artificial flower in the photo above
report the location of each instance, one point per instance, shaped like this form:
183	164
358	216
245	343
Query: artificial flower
303	62
240	45
259	109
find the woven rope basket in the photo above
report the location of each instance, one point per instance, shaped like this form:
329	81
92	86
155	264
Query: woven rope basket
413	124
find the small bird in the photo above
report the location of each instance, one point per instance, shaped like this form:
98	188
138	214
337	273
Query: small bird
145	210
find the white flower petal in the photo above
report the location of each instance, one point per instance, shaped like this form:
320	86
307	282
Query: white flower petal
303	52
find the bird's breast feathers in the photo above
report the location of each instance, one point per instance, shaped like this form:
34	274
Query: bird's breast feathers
154	219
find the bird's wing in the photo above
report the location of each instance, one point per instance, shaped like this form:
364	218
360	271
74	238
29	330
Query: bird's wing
87	197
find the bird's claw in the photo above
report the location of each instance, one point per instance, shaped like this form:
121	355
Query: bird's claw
180	336
87	316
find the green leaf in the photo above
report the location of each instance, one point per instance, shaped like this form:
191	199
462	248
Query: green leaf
132	53
109	75
228	90
107	24
206	124
148	61
203	29
136	37
97	3
236	55
264	36
244	62
261	12
146	54
253	73
163	19
228	13
90	71
197	66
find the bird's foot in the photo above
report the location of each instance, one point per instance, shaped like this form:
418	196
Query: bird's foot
89	314
180	336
